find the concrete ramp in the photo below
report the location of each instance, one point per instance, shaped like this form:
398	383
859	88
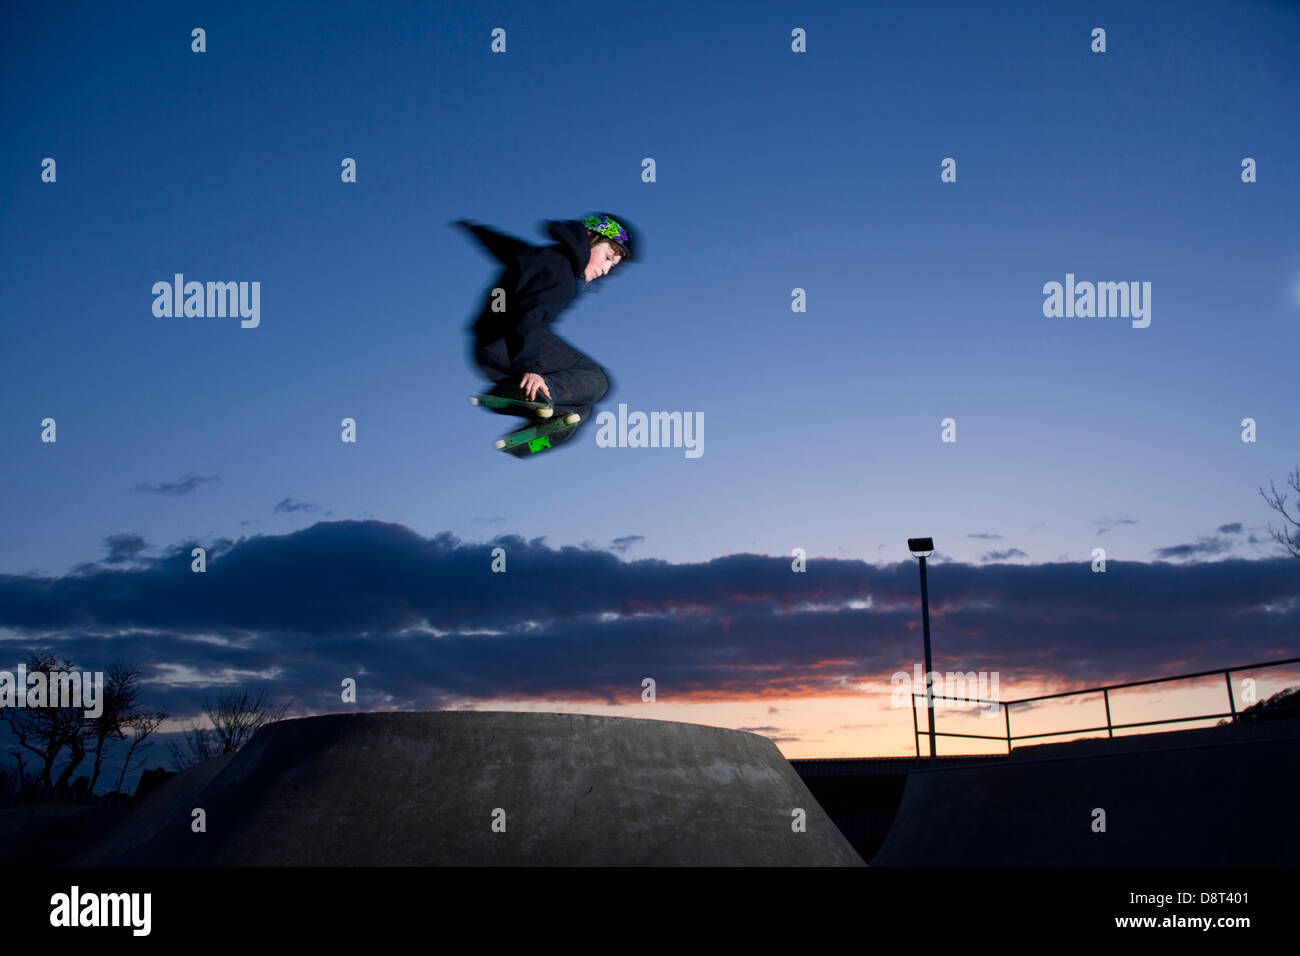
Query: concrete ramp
1219	797
471	788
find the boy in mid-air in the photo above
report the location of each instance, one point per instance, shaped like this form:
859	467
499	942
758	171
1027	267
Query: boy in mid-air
513	344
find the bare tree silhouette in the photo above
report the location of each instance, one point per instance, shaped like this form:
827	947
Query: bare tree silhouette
235	718
143	723
46	730
1284	705
121	693
55	733
1285	538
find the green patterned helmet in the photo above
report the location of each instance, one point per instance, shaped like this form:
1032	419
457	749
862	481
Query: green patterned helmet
615	229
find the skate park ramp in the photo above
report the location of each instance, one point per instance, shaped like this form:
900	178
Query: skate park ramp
1219	796
482	789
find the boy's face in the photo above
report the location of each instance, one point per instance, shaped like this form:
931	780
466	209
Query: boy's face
603	258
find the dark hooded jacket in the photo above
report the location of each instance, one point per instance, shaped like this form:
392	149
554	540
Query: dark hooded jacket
539	283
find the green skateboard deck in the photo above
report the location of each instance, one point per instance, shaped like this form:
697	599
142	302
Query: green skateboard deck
532	439
512	403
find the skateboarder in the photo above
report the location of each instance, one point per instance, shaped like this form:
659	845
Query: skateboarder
512	343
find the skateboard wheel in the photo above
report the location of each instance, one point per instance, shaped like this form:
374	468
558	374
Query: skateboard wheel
572	418
501	443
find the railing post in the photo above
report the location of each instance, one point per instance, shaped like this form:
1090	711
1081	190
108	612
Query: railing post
1109	732
916	730
1232	704
1006	710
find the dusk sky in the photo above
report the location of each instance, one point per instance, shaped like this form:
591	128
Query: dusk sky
845	261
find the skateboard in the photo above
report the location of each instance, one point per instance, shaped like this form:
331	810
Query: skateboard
532	439
509	400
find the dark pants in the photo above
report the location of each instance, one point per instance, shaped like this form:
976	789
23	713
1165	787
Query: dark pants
574	380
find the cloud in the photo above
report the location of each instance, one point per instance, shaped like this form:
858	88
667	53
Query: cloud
181	487
1203	546
425	622
123	547
1003	555
1113	521
622	544
292	505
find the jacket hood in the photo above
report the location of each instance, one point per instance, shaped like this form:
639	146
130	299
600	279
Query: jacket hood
571	237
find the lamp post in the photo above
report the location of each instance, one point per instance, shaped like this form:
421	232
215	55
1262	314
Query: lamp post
917	546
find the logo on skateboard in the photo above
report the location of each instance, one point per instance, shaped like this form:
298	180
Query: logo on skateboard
536	438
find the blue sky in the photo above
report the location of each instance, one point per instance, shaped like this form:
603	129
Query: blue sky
774	171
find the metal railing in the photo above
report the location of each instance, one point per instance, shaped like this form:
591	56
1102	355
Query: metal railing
1105	690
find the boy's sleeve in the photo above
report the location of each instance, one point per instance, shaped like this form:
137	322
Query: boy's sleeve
535	305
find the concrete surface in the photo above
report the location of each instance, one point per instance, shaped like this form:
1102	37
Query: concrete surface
46	834
861	795
421	789
1222	796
